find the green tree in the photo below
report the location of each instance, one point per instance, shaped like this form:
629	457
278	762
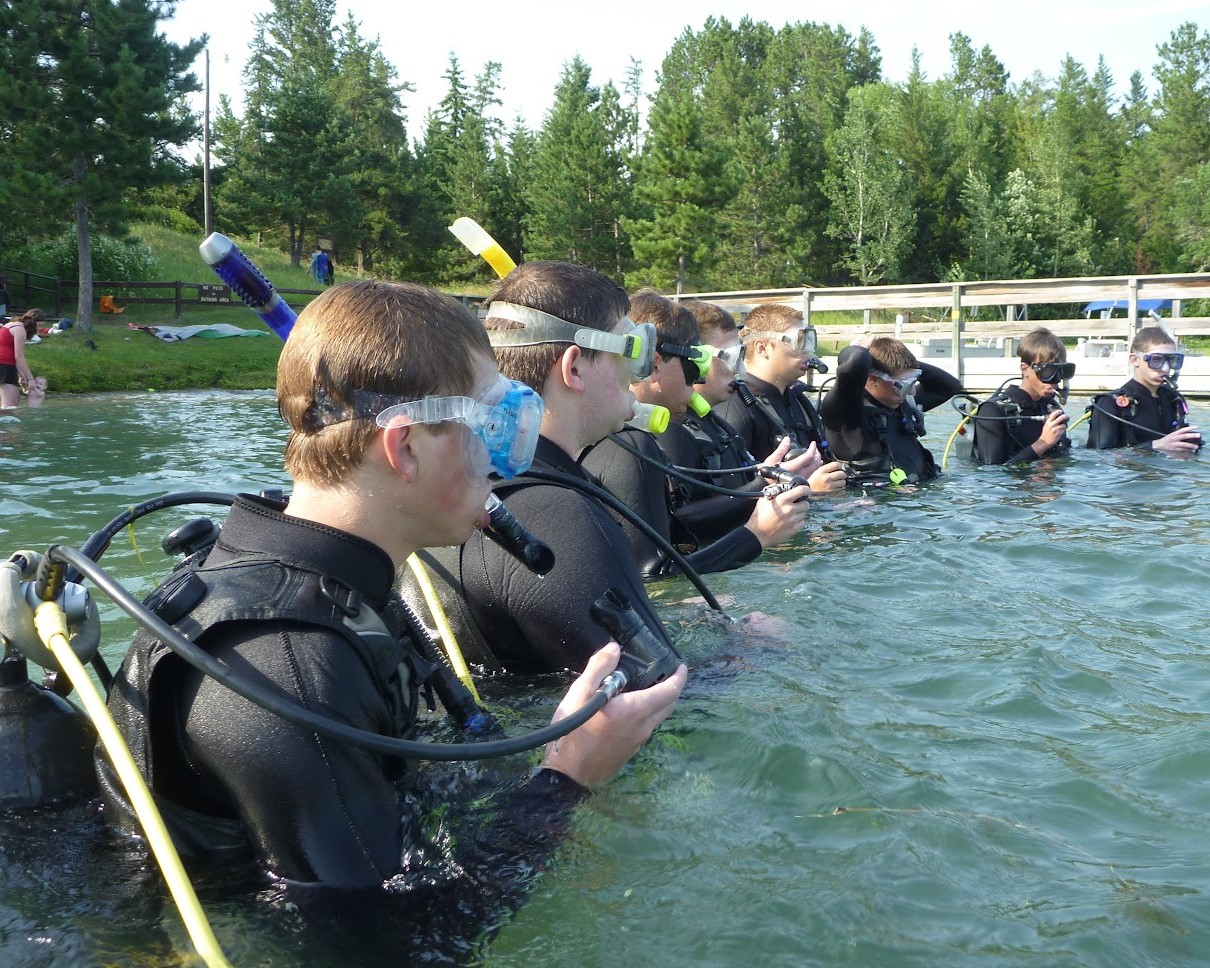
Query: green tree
93	92
293	160
680	184
579	179
869	191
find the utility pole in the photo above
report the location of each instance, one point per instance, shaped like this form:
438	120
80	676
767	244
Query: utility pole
207	215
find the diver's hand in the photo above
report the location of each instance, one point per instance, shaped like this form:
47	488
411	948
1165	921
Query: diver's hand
804	464
830	477
779	518
1052	432
593	754
1183	440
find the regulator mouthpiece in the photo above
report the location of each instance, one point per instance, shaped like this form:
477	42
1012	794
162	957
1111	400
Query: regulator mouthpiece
650	417
506	531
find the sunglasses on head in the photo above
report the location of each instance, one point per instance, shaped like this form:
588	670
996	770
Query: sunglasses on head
1160	361
1053	372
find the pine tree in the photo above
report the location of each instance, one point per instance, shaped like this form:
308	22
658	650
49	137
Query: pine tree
578	177
113	86
680	184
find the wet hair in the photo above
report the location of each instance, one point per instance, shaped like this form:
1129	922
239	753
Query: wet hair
770	318
890	356
574	293
711	319
1041	346
396	338
673	323
1149	337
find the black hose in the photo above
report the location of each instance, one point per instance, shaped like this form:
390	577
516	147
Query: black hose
305	718
602	495
684	474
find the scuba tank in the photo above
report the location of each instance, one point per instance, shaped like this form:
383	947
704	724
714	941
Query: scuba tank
46	743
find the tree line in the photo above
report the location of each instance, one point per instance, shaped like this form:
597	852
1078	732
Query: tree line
766	157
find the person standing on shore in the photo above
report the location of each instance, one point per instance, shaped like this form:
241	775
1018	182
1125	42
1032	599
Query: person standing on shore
15	374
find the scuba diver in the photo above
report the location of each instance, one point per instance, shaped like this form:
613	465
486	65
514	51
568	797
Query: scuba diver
564	331
1025	422
769	402
874	412
632	463
1148	410
397	415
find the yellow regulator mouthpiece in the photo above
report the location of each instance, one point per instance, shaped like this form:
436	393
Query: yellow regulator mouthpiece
699	404
650	417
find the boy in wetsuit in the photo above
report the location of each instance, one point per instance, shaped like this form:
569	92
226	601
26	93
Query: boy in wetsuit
373	383
1148	411
658	500
1026	422
874	411
770	403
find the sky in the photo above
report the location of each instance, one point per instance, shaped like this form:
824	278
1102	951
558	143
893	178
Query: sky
533	40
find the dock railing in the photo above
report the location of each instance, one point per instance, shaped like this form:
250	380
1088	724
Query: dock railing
951	305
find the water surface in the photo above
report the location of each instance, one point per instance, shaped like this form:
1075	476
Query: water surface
971	732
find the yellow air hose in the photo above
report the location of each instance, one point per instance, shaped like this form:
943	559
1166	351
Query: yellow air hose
945	457
448	639
51	624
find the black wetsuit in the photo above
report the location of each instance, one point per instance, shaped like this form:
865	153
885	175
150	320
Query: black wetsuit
1005	430
872	437
1156	416
647	490
231	776
713	444
772	415
506	616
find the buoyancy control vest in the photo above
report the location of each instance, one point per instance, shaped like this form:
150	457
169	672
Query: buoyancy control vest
877	462
198	600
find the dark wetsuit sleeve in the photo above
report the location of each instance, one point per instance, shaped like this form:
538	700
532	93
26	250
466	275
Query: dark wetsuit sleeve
315	809
643	487
936	386
843	406
718	512
544	622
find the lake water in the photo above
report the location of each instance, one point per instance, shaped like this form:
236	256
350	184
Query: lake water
973	733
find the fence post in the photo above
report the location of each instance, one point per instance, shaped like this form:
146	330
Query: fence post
177	296
956	332
58	294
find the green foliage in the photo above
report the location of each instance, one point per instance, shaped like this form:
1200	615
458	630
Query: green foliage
771	157
579	193
128	259
871	204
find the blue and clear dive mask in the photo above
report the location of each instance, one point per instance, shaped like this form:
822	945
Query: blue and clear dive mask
504	425
636	344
